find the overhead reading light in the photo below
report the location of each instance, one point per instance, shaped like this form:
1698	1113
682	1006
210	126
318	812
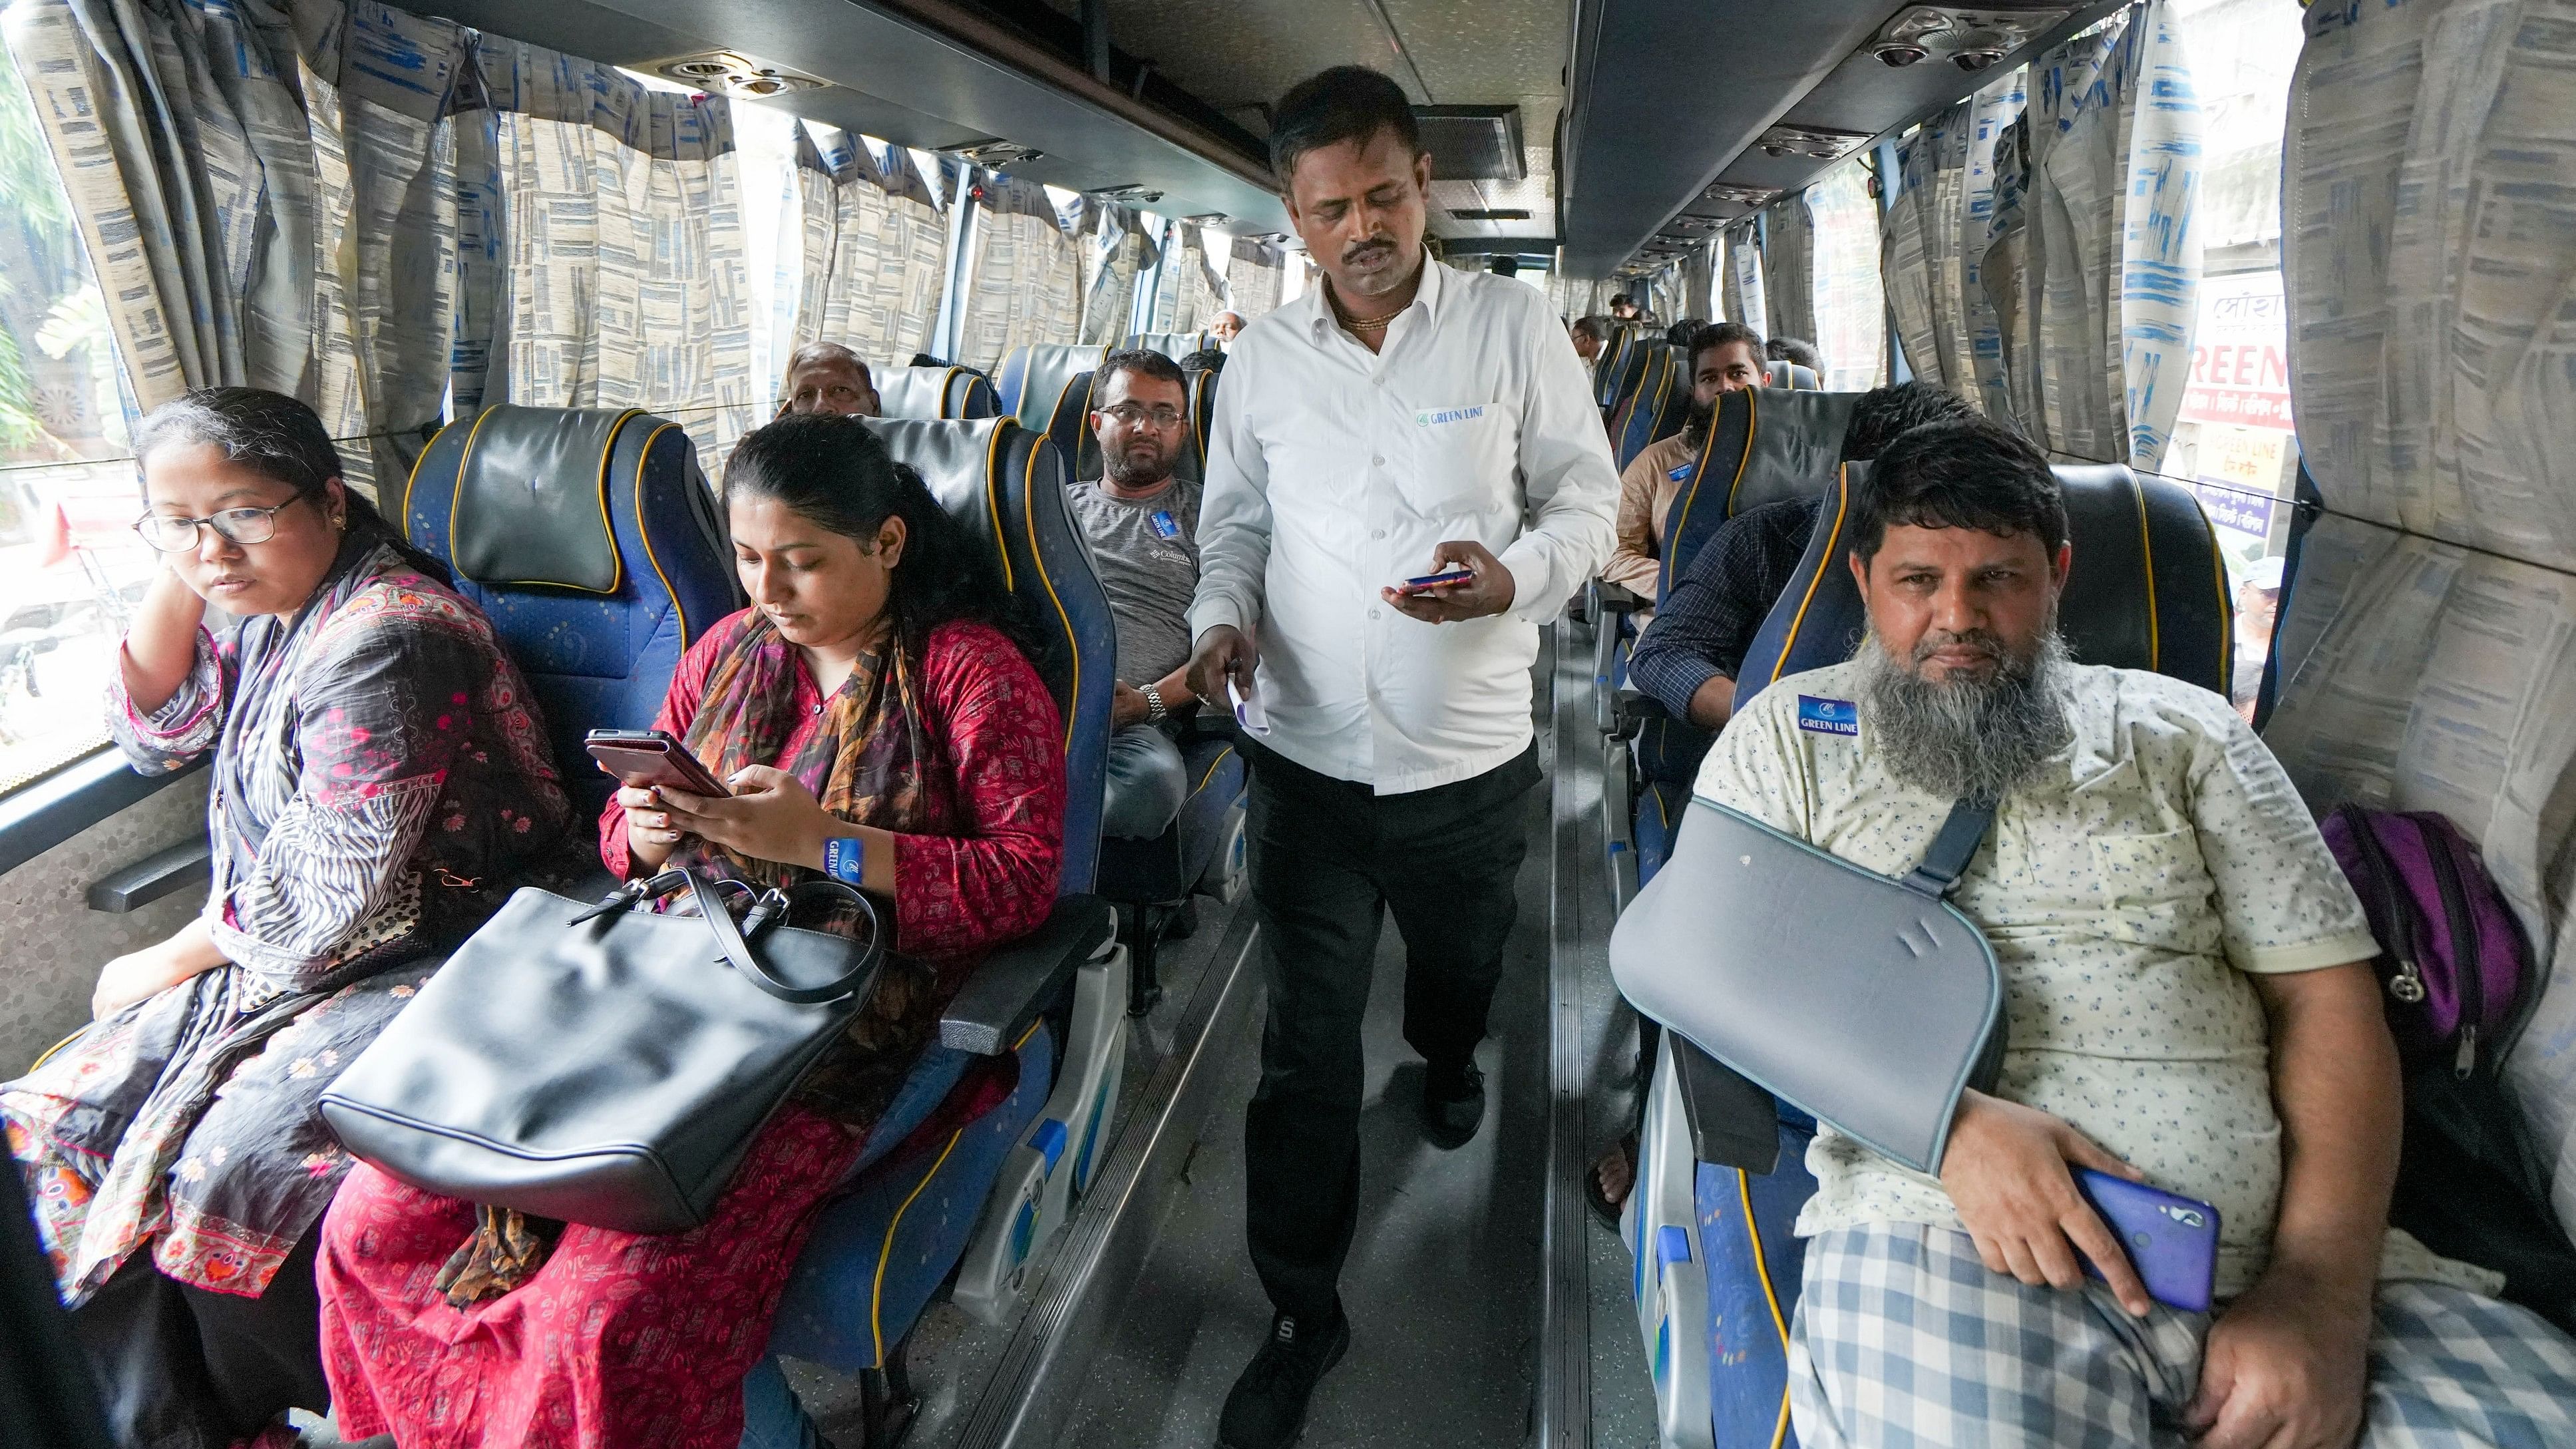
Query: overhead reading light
995	155
1495	214
1972	39
1134	191
1805	141
1208	218
732	73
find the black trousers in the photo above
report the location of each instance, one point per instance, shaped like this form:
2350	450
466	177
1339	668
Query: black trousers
1327	857
183	1368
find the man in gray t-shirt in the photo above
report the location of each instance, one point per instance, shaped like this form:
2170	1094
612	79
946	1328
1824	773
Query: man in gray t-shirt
1143	525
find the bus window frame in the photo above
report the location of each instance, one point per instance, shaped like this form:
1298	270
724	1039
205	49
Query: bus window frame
52	808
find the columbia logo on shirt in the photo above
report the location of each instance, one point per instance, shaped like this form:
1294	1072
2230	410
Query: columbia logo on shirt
1821	716
1434	417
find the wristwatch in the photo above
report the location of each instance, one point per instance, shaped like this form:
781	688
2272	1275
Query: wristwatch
1155	713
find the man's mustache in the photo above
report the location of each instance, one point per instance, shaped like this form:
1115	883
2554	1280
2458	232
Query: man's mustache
1983	641
1358	249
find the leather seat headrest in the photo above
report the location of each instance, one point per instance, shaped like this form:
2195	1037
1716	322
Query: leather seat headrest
531	504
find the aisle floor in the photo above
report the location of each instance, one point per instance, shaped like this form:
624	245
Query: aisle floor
1443	1280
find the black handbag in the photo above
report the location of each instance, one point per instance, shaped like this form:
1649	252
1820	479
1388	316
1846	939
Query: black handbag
603	1064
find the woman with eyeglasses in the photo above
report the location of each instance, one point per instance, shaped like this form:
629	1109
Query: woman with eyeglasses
377	767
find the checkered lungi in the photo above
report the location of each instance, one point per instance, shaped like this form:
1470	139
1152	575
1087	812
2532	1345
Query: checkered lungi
1904	1339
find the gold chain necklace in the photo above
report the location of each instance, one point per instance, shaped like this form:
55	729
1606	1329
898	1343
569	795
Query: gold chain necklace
1367	324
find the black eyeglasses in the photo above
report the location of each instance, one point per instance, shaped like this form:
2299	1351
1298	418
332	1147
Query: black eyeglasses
1131	414
235	525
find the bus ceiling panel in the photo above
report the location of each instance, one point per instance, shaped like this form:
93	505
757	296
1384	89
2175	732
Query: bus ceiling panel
968	76
1665	92
1671	106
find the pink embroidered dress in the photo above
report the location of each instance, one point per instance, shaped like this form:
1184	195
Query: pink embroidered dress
619	1340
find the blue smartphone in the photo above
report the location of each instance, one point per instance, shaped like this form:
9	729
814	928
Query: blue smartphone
1441	580
2172	1240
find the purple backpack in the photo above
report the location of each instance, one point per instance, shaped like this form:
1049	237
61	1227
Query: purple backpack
2457	971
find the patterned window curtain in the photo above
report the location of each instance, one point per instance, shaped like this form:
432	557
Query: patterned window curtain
1920	251
1026	275
1850	306
1789	268
2426	657
305	241
2112	273
1115	252
875	250
610	270
1252	277
1994	116
1196	291
1745	302
1699	282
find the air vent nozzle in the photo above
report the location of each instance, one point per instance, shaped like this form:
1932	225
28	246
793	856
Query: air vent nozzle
1973	40
732	73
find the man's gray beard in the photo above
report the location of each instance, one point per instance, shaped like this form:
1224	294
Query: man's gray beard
1965	736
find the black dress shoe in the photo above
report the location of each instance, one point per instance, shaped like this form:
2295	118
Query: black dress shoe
1267	1407
1453	1104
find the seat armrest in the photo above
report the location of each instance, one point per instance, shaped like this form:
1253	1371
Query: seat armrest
1632	708
1733	1123
1617	599
1023	978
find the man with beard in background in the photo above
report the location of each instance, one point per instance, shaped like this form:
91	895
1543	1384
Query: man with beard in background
1724	357
2190	1001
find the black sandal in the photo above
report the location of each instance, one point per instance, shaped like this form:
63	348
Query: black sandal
1602	1207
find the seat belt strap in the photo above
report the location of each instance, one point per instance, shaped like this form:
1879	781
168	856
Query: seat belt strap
1952	848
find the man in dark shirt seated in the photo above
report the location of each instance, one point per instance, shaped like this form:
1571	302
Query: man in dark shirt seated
1687	658
1143	525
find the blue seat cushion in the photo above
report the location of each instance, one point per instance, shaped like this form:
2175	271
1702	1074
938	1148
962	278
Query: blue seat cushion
1748	1240
878	1254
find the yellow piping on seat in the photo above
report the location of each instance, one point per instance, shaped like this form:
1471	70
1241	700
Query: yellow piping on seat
885	1253
1213	766
2147	552
1762	1266
402	511
993	499
646	534
1073	646
1833	538
1752	422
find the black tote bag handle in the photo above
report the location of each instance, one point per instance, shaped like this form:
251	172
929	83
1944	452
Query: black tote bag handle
738	952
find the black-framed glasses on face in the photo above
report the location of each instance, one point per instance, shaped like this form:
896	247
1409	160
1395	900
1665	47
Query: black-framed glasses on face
1133	415
237	525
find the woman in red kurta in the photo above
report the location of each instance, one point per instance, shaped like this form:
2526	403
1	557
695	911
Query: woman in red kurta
874	722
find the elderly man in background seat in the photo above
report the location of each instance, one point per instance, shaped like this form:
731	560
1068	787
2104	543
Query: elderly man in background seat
2191	1003
825	377
1588	334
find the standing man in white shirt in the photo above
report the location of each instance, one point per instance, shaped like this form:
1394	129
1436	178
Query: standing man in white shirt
1399	420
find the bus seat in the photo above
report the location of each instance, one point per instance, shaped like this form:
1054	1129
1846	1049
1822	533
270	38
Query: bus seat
1658	407
986	1197
1792	375
933	393
2148	591
1174	345
1203	851
1763	446
590	538
1622	366
1034	381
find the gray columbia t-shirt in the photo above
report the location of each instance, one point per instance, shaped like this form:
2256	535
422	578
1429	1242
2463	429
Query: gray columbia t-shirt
1147	551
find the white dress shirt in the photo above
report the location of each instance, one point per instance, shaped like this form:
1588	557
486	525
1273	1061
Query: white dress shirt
1333	471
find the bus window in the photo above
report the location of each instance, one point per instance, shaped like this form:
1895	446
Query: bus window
1850	307
70	564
